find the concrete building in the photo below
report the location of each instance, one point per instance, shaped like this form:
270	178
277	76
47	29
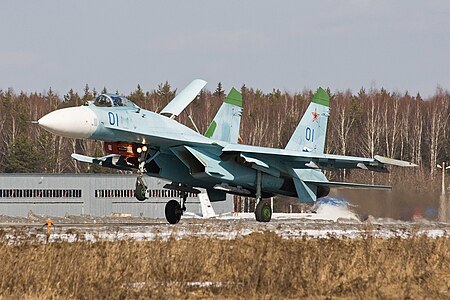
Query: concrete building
88	194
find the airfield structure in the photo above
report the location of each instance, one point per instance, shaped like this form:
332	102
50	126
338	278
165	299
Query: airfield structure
88	194
444	202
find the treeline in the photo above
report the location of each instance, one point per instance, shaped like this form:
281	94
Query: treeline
366	123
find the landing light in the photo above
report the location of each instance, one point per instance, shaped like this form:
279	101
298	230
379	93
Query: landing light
144	148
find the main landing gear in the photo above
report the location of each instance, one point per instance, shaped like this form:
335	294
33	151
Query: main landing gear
263	210
174	209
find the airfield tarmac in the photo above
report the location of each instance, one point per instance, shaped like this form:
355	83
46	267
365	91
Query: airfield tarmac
84	228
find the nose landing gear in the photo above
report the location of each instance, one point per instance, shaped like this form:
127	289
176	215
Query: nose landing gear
141	189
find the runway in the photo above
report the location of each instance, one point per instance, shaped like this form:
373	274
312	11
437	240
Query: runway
111	229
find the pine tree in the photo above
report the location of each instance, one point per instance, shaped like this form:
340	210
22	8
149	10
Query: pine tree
165	93
72	98
93	168
219	90
22	157
137	96
87	94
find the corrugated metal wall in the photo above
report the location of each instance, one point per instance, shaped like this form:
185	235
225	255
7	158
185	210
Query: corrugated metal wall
88	194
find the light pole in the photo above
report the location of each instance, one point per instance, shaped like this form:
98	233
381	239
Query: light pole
443	168
442	199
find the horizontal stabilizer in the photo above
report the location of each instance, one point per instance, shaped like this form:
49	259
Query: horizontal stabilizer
394	162
184	98
342	185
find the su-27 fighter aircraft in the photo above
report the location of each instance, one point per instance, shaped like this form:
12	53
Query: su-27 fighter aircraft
157	145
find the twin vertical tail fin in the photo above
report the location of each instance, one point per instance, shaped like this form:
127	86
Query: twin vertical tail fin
310	134
226	123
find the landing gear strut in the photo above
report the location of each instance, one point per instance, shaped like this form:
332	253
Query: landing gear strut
141	188
263	210
174	209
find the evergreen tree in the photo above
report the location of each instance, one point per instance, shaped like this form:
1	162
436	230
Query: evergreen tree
165	93
275	95
418	97
219	92
72	98
137	96
243	89
47	149
87	94
22	156
93	168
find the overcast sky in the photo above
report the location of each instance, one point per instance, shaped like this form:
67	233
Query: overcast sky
291	45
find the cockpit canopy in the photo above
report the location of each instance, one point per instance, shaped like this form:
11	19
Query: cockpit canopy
110	100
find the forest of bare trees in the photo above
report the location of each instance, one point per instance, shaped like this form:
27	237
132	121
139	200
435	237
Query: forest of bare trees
363	123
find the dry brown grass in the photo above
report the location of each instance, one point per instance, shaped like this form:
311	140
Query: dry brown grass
261	265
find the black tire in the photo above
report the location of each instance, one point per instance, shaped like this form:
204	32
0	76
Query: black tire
263	211
173	211
140	191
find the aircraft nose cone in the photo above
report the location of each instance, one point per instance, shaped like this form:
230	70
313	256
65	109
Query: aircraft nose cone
73	122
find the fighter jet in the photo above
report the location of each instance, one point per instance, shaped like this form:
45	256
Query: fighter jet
155	144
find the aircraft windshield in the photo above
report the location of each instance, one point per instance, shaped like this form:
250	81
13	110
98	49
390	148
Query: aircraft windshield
103	101
109	100
117	100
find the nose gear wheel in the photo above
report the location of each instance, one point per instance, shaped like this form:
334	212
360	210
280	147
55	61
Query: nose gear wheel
141	189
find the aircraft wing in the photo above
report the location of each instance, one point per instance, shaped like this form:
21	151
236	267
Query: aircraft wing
294	159
305	167
184	98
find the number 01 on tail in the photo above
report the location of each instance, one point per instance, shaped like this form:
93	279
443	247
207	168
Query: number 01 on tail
309	135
